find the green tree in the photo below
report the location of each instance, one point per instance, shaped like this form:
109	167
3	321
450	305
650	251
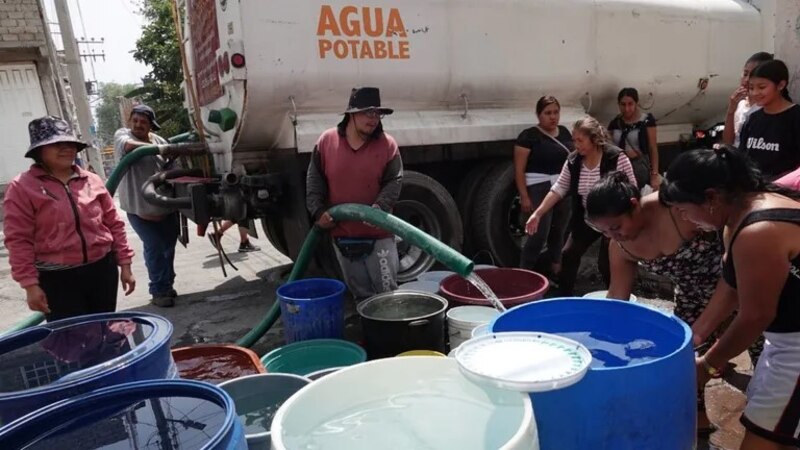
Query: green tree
158	48
107	112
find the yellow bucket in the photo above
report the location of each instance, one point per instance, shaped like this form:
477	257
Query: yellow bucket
421	353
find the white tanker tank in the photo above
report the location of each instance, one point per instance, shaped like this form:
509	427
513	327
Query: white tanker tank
462	76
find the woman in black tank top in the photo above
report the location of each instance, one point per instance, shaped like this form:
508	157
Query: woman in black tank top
722	190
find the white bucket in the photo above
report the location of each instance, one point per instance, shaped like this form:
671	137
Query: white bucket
440	410
602	295
461	320
480	330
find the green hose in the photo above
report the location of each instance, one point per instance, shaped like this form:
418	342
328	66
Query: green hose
353	212
111	184
454	261
125	163
300	266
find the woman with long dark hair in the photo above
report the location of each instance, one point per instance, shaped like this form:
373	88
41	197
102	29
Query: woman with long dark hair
634	132
648	234
539	154
739	105
771	135
723	190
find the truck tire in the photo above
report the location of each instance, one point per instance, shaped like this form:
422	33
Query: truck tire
496	225
427	205
465	199
273	229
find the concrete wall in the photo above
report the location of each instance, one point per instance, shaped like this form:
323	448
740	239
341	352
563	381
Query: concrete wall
24	38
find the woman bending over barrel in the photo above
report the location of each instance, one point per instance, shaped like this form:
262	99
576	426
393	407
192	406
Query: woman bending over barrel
723	190
646	233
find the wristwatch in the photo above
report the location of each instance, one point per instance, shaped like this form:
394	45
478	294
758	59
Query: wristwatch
712	371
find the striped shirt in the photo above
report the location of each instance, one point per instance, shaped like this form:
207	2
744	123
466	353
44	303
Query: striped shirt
589	177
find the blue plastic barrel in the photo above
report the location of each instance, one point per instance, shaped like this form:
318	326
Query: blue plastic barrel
65	358
177	414
644	397
312	309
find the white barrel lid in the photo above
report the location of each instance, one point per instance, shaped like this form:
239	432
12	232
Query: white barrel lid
523	361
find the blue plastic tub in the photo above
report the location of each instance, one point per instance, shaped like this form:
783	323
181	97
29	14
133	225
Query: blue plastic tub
312	309
177	414
630	404
62	359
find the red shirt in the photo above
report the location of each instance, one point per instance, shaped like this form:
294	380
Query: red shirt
354	176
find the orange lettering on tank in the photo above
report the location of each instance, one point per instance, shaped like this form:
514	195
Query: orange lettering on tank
366	32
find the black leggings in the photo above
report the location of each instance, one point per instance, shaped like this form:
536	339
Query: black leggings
580	239
552	228
82	290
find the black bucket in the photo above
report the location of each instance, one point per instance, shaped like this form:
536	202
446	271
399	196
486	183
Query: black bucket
395	322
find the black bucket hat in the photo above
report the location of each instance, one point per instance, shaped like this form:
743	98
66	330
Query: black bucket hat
50	130
365	98
149	113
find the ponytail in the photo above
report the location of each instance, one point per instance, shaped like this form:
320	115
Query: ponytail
611	196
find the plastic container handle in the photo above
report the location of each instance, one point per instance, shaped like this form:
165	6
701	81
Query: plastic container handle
419	323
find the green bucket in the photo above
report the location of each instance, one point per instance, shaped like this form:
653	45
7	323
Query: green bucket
305	357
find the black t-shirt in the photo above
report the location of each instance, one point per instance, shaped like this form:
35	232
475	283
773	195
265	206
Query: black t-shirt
546	156
773	141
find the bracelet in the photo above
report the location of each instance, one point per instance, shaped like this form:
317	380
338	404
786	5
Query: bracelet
712	371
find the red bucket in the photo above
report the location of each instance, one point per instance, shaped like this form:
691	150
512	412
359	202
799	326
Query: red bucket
512	286
216	363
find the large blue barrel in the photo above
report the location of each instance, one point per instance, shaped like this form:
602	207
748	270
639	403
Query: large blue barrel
65	358
645	395
312	309
164	414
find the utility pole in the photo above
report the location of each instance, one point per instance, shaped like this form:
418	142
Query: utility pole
76	81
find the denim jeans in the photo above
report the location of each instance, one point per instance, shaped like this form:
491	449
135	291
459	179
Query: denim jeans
159	239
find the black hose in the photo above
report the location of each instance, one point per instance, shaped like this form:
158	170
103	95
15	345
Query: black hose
151	195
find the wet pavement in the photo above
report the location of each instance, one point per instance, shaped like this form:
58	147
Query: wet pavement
213	308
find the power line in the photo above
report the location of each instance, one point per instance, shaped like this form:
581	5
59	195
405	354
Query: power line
83	28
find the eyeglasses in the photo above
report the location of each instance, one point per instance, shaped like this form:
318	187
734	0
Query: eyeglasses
373	114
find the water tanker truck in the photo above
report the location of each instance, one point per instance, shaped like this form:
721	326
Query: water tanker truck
266	78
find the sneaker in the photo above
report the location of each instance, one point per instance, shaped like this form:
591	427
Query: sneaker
214	238
163	301
245	247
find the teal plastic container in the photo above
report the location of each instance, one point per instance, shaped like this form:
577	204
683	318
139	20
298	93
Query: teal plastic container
257	399
303	358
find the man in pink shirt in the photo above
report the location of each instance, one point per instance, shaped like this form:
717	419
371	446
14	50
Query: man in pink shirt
357	162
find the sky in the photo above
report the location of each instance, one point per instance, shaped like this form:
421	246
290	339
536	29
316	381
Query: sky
118	22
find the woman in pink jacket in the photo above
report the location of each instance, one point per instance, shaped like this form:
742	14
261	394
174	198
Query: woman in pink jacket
62	231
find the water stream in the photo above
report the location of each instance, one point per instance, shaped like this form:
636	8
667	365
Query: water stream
486	291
